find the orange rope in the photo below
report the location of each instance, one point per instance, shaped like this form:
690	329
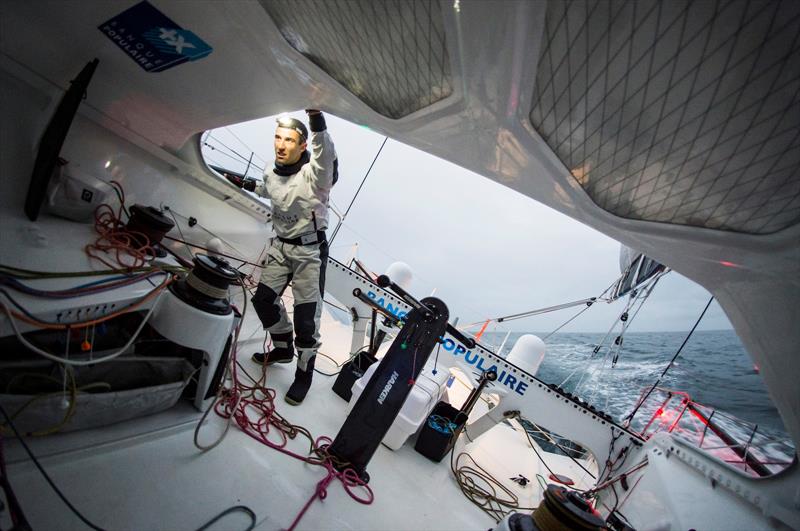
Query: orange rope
114	239
483	329
82	324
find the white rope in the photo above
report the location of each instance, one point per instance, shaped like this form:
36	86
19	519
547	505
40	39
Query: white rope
205	288
79	363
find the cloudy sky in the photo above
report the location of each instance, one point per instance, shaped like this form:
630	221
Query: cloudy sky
487	251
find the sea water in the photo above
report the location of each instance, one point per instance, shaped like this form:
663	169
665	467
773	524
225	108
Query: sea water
713	368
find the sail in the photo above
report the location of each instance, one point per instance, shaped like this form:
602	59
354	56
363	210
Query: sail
635	269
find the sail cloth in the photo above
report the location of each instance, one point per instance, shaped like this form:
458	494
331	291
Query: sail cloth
636	269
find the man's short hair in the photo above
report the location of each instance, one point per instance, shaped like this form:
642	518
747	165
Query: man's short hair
295	125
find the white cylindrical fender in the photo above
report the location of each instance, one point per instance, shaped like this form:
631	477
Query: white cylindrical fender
527	353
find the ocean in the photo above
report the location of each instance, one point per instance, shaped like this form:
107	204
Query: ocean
713	368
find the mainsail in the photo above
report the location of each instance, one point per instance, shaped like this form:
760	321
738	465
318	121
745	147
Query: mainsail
636	269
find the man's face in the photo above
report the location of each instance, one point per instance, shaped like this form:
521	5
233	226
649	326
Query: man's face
288	146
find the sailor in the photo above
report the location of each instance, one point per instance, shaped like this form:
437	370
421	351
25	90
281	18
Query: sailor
298	188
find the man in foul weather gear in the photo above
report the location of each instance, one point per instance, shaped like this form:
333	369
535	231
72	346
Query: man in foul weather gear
298	187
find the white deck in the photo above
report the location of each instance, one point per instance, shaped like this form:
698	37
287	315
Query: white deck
166	483
147	474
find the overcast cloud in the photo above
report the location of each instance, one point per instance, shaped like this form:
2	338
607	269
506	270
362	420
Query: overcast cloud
487	251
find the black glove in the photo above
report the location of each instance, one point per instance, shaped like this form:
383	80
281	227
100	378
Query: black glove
316	121
248	183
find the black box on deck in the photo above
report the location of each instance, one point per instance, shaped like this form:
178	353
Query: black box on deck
352	371
436	439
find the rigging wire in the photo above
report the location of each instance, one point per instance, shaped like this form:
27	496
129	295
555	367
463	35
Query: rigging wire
242	142
236	153
531	313
180	231
669	365
344	216
588	302
588	305
637	296
232	157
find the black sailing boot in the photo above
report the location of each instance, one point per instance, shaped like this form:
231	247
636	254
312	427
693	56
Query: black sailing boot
302	380
282	353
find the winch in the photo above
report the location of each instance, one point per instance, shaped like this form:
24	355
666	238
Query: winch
206	286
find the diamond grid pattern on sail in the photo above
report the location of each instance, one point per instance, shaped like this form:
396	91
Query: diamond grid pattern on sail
392	55
680	112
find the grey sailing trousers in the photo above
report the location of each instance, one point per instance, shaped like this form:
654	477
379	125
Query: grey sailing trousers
304	266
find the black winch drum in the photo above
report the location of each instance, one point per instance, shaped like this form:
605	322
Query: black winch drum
150	222
564	510
206	286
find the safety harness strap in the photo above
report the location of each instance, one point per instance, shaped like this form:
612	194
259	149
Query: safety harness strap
312	238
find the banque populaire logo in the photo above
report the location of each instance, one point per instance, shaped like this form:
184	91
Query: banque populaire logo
153	40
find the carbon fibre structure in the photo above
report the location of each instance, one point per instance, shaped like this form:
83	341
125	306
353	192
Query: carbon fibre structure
670	126
396	60
678	112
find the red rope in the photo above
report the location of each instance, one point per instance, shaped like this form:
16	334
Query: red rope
349	480
253	410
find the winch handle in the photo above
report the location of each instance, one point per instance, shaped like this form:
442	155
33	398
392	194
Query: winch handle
464	340
384	281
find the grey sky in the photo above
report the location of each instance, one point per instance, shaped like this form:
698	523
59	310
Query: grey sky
487	250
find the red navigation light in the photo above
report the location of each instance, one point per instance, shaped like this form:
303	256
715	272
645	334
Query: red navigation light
728	264
659	412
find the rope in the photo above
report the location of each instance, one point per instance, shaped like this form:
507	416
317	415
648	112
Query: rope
47	478
190	244
252	408
11	315
230	510
32	274
115	238
552	441
442	424
206	289
483	489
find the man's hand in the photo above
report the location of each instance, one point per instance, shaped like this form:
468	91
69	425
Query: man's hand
248	183
316	121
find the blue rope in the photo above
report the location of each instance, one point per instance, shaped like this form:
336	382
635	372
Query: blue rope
74	291
442	424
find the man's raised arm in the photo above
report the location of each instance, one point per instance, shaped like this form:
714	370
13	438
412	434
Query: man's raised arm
323	154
